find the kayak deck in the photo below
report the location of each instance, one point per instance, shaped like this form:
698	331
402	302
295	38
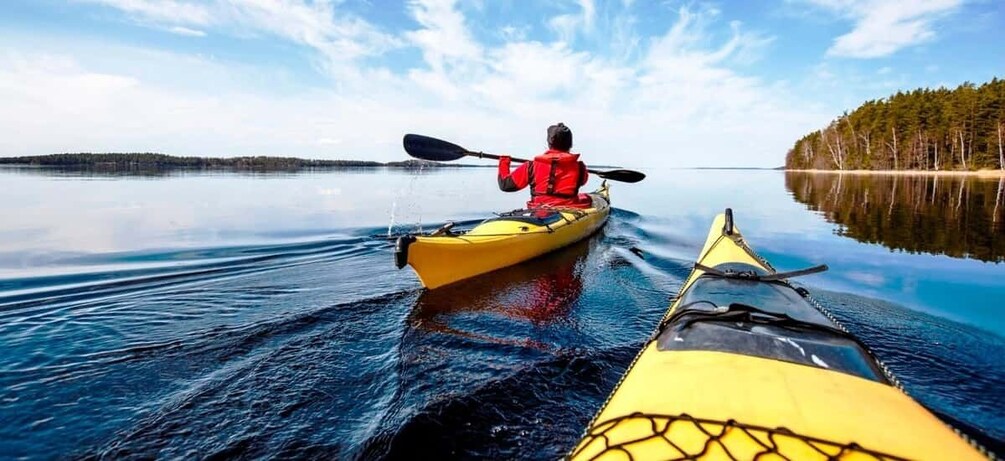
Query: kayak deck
500	242
745	366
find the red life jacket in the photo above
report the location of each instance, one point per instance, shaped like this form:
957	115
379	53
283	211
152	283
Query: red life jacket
554	178
556	174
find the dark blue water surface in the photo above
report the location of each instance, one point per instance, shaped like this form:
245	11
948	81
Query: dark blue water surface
227	315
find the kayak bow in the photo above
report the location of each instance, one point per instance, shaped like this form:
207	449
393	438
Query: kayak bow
443	257
744	365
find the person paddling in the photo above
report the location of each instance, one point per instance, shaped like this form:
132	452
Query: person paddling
554	177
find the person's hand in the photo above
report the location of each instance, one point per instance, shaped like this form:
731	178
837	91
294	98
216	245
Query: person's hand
504	162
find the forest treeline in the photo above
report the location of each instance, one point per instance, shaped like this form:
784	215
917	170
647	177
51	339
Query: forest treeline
154	160
925	129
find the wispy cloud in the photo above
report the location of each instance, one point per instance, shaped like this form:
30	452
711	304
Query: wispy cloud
569	24
866	278
162	11
339	37
883	27
179	30
443	38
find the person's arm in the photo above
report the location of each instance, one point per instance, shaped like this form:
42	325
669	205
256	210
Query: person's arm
583	174
512	182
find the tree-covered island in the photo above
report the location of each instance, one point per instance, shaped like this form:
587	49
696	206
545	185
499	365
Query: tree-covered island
923	130
135	161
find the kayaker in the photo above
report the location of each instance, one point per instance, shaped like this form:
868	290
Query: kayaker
554	177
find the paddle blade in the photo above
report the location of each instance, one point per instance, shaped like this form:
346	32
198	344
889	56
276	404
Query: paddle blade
437	150
622	175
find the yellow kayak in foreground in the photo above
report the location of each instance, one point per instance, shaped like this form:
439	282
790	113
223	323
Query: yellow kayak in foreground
746	366
442	257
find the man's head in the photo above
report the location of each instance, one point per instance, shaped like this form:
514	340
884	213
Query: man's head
559	137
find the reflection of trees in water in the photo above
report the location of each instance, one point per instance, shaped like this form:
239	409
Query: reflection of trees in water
959	216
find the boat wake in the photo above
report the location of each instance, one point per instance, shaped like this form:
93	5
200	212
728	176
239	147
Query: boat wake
318	348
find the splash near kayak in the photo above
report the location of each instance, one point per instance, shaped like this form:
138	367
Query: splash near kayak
444	256
745	365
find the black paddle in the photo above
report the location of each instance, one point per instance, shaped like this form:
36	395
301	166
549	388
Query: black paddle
438	150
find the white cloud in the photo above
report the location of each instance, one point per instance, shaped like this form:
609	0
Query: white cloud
166	11
55	104
340	38
866	278
568	25
671	99
448	48
179	30
883	27
444	38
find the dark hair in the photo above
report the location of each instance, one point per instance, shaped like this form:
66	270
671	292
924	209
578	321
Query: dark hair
559	137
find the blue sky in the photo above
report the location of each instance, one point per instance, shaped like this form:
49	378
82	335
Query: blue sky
642	83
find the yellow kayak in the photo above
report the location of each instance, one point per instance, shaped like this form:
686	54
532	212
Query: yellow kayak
746	366
444	257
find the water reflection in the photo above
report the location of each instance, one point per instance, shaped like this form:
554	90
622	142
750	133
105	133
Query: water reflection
958	216
467	344
48	222
536	294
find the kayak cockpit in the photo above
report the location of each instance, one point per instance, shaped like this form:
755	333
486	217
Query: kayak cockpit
767	319
536	217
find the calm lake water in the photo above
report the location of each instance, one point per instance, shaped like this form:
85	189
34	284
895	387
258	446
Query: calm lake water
200	314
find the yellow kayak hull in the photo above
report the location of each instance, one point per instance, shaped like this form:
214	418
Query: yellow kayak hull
707	404
498	243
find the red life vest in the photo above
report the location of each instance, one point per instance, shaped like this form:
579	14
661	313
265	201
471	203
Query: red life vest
554	178
556	174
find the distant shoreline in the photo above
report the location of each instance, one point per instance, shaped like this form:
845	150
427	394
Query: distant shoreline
978	173
156	161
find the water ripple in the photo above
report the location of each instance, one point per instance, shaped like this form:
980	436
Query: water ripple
317	349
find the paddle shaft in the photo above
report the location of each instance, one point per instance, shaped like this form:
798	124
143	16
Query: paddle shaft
438	150
517	160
